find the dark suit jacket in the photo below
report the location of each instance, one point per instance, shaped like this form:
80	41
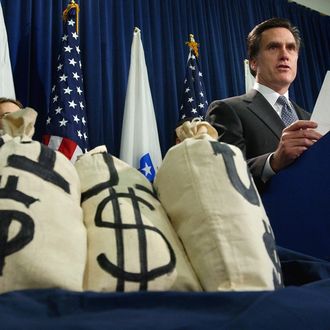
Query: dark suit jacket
251	124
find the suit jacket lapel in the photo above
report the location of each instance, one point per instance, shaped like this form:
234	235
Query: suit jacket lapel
302	114
264	111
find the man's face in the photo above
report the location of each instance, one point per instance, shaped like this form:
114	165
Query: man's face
276	62
5	108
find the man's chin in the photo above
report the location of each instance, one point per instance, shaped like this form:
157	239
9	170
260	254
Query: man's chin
285	80
286	76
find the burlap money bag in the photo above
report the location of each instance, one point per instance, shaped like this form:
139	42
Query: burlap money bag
208	193
42	235
131	243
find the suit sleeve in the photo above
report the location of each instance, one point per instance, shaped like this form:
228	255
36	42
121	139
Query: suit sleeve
226	120
228	124
256	166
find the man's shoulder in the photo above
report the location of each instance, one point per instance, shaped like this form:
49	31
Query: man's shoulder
232	99
235	101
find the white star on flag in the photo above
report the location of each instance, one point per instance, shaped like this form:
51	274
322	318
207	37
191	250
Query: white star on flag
146	169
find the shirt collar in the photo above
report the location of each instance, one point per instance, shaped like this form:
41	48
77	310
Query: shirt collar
270	95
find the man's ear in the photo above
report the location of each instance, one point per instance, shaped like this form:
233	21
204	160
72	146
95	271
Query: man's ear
253	64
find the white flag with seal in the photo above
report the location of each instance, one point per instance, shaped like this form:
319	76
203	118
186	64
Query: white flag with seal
140	146
7	88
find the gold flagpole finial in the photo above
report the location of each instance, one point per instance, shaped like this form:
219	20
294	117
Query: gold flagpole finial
70	6
193	45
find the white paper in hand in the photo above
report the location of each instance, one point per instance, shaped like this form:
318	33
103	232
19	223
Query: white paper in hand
321	112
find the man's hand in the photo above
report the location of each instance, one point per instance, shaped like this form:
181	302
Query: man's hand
295	139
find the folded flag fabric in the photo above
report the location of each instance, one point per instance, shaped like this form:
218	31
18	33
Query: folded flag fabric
6	77
140	146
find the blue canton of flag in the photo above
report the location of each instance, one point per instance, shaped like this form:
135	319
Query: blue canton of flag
147	168
193	101
66	126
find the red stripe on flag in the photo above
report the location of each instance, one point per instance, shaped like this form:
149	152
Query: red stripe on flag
45	139
67	147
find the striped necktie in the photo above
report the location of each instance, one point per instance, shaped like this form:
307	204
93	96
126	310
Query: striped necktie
288	114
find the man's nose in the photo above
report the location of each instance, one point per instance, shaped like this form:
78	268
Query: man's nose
284	52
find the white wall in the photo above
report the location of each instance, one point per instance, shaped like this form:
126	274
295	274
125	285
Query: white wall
322	6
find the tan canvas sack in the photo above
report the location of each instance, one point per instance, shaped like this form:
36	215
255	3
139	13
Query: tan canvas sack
131	243
209	195
42	236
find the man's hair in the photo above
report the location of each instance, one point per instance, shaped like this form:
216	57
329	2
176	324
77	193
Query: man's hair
5	100
254	37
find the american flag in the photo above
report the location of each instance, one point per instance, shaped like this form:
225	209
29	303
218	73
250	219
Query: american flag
66	125
193	101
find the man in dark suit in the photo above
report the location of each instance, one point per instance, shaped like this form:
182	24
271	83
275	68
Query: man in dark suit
271	132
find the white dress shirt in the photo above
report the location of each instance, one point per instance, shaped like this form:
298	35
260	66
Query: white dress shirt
271	97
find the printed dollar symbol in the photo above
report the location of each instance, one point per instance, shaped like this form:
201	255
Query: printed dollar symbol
26	233
44	169
228	154
118	271
23	237
269	240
